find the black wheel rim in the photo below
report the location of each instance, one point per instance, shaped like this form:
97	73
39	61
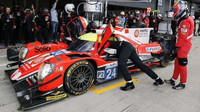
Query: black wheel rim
81	78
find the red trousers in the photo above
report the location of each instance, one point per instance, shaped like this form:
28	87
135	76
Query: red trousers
180	70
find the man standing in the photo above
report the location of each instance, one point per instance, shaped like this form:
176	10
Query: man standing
183	44
120	20
54	22
8	26
18	19
42	25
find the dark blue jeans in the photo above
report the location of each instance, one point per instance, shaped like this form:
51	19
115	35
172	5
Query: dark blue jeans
54	26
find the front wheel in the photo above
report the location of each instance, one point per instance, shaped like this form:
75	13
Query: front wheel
79	77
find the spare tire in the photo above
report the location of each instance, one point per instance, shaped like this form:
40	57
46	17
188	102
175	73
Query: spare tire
140	24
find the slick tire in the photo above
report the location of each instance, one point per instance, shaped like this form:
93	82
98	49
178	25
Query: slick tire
13	53
164	63
79	77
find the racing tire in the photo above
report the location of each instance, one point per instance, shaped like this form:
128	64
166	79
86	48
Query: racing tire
164	63
79	77
13	53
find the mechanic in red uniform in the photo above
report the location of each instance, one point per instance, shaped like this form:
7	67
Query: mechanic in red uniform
183	44
145	19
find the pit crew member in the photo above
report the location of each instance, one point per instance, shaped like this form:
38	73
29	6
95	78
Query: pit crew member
183	44
126	51
120	20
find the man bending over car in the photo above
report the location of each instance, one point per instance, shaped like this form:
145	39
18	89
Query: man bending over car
126	51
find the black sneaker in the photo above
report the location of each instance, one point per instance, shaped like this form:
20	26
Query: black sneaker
128	86
170	81
158	82
180	86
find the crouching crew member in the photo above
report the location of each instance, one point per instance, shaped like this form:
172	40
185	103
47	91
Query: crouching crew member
183	44
126	51
42	26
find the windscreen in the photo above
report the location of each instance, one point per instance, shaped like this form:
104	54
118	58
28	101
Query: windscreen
81	46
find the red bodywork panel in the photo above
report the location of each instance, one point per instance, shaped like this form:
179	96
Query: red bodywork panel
37	49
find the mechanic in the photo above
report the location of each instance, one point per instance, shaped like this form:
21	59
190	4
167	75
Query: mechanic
8	26
67	17
18	19
183	44
42	25
159	19
145	19
28	25
120	20
54	22
126	51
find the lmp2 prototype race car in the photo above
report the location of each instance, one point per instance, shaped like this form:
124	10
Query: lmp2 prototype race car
51	76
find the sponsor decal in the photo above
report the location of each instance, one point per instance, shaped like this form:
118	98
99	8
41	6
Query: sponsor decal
42	49
27	97
153	49
136	33
74	66
184	30
56	53
184	26
56	96
59	69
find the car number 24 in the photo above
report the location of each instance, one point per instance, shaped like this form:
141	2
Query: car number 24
108	73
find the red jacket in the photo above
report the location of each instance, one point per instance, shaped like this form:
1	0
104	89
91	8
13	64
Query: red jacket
184	36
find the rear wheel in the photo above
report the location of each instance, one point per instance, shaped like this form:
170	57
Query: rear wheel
164	63
79	77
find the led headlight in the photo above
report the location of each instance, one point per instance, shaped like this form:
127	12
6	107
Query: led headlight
45	70
22	53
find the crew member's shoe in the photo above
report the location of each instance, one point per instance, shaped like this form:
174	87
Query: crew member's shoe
158	81
128	86
180	86
170	81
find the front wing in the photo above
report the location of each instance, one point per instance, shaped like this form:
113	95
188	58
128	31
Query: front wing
29	97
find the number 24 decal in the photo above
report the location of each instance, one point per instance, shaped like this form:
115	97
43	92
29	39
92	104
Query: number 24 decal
111	73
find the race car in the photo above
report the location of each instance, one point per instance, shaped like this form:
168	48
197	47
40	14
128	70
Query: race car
75	28
50	77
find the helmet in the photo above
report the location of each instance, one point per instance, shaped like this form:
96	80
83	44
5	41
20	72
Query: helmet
122	13
193	17
91	25
27	10
159	16
179	9
69	8
45	10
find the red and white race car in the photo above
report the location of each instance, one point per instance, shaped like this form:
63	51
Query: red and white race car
51	76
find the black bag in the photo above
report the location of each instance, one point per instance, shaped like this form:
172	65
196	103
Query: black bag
13	53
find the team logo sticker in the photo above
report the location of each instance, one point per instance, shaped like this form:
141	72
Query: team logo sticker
136	33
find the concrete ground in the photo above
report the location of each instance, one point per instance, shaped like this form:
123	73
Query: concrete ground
144	98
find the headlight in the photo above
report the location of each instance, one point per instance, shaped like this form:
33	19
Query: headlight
45	70
22	53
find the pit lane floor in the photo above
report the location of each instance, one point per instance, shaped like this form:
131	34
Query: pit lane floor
108	98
